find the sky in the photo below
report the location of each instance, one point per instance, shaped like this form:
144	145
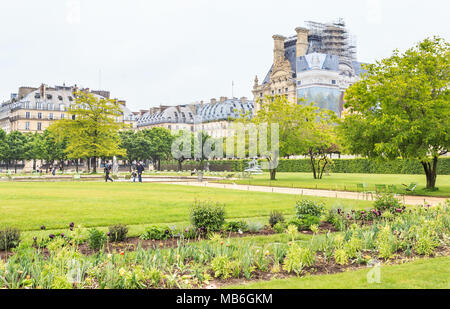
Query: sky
181	51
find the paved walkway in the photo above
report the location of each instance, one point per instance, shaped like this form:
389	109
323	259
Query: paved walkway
408	199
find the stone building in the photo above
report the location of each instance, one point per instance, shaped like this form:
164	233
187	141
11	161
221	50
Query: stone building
34	109
214	117
317	64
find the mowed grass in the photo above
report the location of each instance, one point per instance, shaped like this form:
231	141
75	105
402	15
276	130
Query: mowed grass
421	274
348	182
27	206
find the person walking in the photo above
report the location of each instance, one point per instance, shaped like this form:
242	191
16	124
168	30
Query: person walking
107	171
134	174
140	169
54	170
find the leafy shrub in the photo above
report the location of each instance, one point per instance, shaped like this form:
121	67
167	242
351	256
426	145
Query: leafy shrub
298	258
236	226
353	246
255	226
280	227
305	223
425	244
157	233
223	267
9	238
387	202
385	243
96	239
118	232
207	217
340	256
275	217
306	208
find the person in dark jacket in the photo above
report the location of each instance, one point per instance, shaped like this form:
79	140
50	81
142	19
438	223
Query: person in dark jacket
107	171
140	170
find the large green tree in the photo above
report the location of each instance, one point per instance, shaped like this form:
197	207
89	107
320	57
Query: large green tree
401	107
304	129
92	130
159	141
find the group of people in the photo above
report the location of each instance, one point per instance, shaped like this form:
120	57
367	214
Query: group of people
137	171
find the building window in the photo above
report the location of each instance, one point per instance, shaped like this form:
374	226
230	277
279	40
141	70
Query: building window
261	94
49	96
62	116
62	107
39	126
50	116
299	82
39	105
39	115
27	115
333	82
286	90
27	125
60	98
27	104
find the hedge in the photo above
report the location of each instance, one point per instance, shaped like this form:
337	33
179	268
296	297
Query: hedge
362	166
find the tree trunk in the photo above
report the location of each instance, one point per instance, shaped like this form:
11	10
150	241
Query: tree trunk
313	165
94	169
76	167
34	165
273	173
179	165
431	172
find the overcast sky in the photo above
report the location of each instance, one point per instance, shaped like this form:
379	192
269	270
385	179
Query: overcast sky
180	51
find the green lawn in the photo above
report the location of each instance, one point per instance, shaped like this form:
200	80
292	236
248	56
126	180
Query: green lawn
421	274
27	206
347	182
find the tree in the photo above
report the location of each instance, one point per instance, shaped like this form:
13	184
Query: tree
303	129
53	148
400	108
92	131
4	149
16	143
183	148
159	144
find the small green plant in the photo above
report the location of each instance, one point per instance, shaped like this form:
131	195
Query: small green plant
385	243
223	267
298	258
255	226
353	246
279	228
117	232
306	208
387	202
96	239
275	217
156	233
236	226
425	243
340	256
9	238
207	217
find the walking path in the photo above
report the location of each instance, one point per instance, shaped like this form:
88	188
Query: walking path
407	199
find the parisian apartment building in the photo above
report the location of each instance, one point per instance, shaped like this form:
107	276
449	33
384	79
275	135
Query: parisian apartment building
33	109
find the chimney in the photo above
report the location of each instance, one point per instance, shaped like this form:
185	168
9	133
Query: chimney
243	99
213	101
302	41
43	90
278	50
223	99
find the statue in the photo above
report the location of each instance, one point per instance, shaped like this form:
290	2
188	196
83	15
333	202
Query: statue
253	167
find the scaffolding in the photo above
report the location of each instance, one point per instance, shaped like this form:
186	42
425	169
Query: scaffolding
331	38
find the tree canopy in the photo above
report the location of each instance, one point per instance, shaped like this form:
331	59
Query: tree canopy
400	108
